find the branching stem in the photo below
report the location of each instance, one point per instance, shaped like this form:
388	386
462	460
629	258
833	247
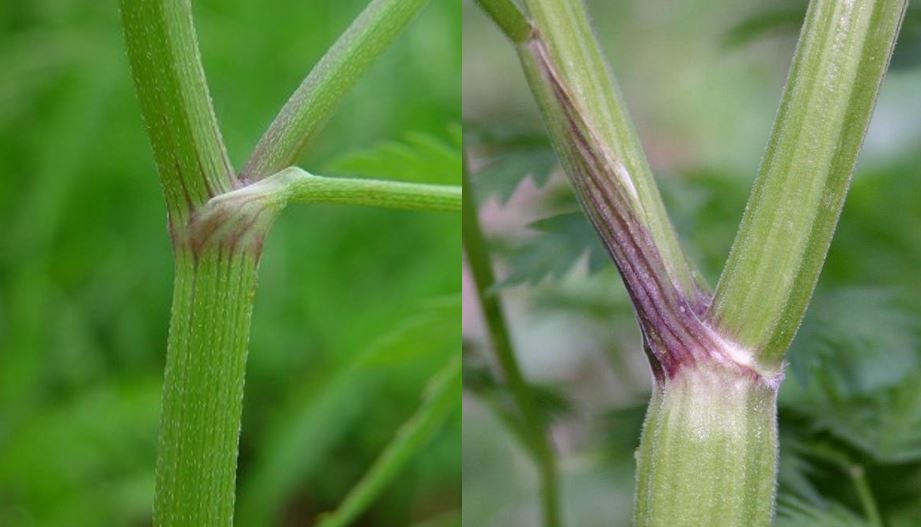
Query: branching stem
328	82
531	424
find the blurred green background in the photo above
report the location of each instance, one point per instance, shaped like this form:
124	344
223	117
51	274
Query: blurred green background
356	308
702	80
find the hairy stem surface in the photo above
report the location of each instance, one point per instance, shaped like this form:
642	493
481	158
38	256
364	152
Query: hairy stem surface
708	454
203	387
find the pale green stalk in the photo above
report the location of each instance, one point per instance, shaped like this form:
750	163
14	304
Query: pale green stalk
709	445
310	106
294	185
175	103
214	284
442	397
841	58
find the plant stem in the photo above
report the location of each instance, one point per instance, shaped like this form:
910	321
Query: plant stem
859	479
574	53
442	397
708	453
203	387
790	218
173	94
509	18
298	186
328	82
544	458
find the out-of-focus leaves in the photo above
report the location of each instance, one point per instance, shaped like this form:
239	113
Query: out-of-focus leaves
783	20
419	158
794	512
562	241
433	329
856	361
787	20
478	378
622	428
855	341
509	157
60	449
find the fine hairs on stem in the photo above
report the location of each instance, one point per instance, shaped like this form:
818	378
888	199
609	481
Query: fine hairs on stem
709	446
218	221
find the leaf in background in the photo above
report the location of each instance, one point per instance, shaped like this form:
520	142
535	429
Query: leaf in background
793	512
886	425
562	242
779	20
509	157
419	158
855	341
787	20
797	471
432	329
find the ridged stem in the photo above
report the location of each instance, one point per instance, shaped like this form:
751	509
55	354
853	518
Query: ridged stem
782	241
203	387
708	453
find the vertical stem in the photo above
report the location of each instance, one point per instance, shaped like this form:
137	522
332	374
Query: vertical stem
787	227
478	259
708	453
173	94
864	494
203	387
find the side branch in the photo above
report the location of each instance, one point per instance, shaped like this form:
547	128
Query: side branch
842	56
330	80
294	185
170	84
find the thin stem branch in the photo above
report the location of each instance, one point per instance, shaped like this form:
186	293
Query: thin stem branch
294	185
329	81
842	56
173	94
442	397
509	18
478	260
864	494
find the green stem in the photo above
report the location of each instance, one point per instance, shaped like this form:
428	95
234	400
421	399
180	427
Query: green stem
864	494
781	244
509	18
708	453
478	260
171	87
329	81
442	397
203	387
581	70
294	185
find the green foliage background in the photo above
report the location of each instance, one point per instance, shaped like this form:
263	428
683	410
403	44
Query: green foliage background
356	308
703	81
